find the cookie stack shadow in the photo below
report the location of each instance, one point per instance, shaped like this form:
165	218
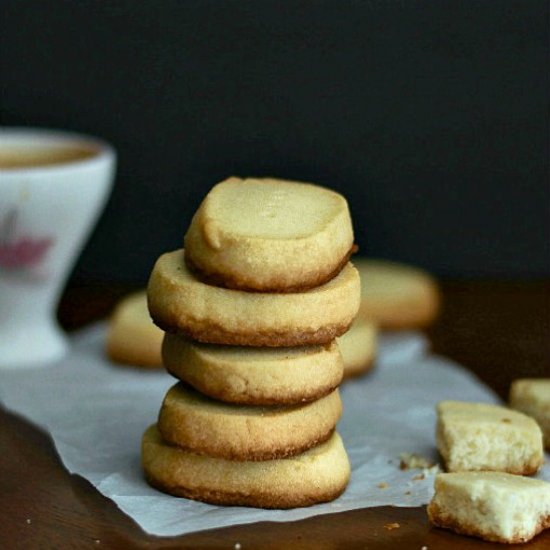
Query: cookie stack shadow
251	308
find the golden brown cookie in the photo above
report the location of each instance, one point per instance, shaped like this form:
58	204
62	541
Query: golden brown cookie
317	475
132	337
494	506
243	432
532	397
254	376
269	235
358	348
397	296
179	302
478	436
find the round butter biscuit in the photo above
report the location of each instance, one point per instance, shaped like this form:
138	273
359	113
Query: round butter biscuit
531	396
318	475
269	235
132	337
254	376
181	303
244	432
358	348
397	296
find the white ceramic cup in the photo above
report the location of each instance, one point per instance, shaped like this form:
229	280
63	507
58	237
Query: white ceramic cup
53	187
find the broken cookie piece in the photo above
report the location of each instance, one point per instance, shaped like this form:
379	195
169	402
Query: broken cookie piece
477	436
494	506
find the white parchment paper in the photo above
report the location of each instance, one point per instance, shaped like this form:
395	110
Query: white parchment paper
96	413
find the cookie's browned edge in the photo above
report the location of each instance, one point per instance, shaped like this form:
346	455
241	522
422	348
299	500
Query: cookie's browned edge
226	281
441	519
214	334
257	499
242	399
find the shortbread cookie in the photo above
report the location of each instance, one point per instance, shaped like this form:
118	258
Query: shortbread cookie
318	475
477	436
397	296
358	347
243	432
132	337
179	302
495	506
532	397
254	376
269	235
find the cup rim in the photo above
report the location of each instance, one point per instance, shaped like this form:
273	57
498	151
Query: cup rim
22	134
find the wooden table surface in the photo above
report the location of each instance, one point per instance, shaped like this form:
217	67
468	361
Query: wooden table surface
500	331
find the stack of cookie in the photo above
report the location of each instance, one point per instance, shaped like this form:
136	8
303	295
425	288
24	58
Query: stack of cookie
251	309
134	340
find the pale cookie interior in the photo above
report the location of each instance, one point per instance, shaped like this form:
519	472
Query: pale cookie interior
477	436
495	506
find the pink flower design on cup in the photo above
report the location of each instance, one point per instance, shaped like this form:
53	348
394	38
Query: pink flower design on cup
20	253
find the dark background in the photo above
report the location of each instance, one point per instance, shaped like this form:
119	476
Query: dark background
430	116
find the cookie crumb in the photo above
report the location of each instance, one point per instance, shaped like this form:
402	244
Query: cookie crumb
506	421
392	526
418	477
407	493
29	521
383	485
411	461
